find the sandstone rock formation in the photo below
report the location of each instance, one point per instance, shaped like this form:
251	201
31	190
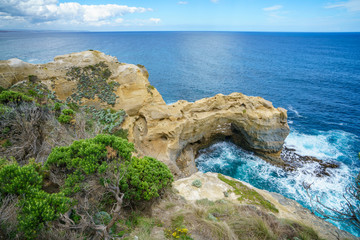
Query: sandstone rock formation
171	133
213	189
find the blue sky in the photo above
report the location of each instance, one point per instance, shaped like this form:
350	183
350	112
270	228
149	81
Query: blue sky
182	15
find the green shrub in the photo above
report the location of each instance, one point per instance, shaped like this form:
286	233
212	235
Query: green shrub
68	112
88	156
14	97
67	116
73	106
19	180
36	206
6	130
6	143
57	106
2	89
122	133
65	119
145	178
196	183
4	109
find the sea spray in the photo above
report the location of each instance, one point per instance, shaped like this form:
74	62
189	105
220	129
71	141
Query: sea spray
228	159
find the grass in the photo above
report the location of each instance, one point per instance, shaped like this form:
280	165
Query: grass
137	225
227	220
248	195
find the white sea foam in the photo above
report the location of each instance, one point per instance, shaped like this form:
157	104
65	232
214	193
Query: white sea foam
226	158
292	109
322	145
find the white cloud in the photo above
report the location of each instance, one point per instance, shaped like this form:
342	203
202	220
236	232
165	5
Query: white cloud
140	22
182	2
215	1
45	11
351	5
155	20
273	8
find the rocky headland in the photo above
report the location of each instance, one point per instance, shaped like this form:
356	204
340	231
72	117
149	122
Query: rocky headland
172	133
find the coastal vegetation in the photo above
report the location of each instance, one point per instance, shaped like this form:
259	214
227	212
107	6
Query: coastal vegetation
95	187
92	81
67	171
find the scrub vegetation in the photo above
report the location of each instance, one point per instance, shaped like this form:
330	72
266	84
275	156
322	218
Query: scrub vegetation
67	171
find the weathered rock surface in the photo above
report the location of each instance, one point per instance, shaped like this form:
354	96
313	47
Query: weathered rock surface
171	133
213	189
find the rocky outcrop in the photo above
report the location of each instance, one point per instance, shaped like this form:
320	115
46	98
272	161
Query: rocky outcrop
176	132
171	133
213	189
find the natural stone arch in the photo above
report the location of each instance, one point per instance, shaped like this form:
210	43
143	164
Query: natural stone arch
175	133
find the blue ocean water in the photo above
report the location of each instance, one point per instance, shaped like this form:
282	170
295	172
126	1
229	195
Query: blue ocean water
315	76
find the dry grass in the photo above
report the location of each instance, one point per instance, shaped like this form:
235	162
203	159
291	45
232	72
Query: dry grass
8	213
228	221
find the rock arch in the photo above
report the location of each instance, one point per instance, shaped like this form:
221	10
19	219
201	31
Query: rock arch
175	133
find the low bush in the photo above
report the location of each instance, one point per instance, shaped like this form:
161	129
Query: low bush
57	106
67	116
36	206
8	96
105	159
145	178
19	180
196	183
88	156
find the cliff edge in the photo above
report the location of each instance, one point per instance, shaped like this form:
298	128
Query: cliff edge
171	133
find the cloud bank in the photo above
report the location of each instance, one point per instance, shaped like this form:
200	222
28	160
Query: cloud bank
273	8
351	5
48	11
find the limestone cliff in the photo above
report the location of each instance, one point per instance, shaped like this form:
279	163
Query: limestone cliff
172	133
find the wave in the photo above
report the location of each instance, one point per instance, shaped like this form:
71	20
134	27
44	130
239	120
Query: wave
325	145
292	109
228	159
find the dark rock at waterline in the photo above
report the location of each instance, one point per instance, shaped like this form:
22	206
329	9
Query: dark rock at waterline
294	161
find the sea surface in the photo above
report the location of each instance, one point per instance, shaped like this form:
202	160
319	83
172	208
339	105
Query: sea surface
315	76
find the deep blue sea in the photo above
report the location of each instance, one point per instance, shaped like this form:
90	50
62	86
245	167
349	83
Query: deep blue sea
315	76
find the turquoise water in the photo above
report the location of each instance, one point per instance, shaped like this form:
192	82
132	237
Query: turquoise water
315	76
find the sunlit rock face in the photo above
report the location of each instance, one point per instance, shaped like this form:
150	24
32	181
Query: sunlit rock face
171	133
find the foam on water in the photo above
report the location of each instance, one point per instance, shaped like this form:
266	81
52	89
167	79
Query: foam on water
292	109
325	145
227	158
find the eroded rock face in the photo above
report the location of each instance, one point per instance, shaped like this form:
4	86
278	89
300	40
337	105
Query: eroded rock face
171	133
176	132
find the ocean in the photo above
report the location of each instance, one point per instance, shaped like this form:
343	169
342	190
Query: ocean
315	76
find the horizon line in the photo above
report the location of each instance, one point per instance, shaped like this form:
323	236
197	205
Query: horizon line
121	31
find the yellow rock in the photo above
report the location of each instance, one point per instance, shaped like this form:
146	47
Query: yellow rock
171	133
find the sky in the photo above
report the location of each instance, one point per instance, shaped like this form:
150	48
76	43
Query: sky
182	15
